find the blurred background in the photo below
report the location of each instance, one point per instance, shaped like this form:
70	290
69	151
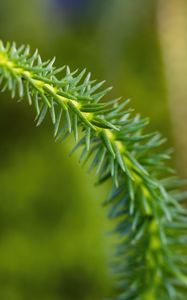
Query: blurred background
53	233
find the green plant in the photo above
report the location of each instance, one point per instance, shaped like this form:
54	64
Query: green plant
145	199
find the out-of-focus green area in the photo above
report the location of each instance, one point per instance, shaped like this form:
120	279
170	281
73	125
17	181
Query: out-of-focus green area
53	242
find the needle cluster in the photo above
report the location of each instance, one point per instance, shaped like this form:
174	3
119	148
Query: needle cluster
146	198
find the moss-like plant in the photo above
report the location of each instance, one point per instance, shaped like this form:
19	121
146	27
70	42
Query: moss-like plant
145	200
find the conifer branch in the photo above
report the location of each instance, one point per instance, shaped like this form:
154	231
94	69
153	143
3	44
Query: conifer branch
146	198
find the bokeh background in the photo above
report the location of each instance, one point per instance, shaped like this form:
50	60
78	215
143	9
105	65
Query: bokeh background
53	233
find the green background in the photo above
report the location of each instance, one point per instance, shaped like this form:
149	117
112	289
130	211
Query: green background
54	241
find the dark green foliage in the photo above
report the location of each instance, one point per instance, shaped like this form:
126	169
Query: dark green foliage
145	200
